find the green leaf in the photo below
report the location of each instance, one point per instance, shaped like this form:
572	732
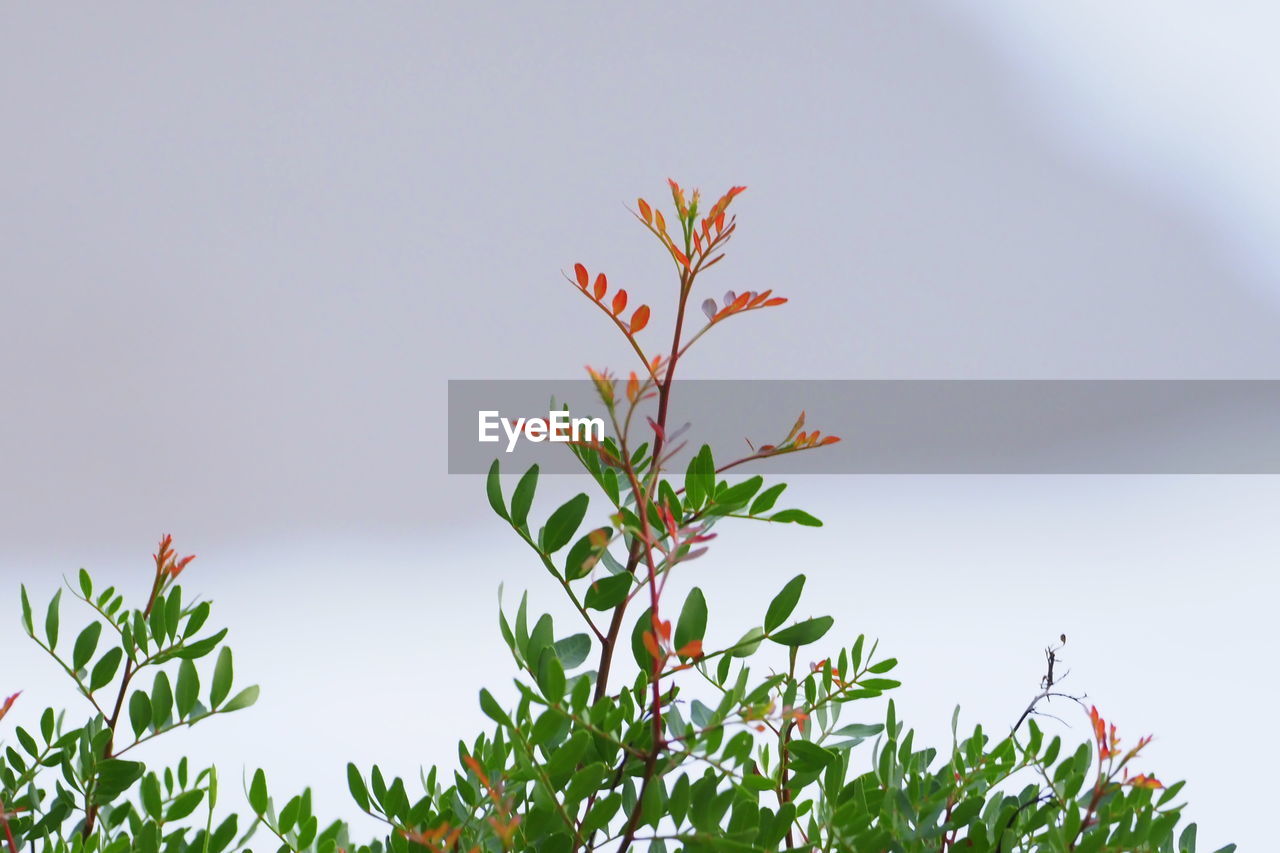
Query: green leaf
188	688
699	478
86	645
735	497
173	611
879	683
200	648
796	516
86	584
105	669
184	804
149	794
586	781
156	622
51	620
884	666
563	523
355	784
765	501
161	699
139	712
244	699
258	793
26	610
522	497
784	603
493	487
643	659
749	644
573	650
803	633
196	619
492	709
809	755
608	592
551	677
115	776
582	556
692	624
222	676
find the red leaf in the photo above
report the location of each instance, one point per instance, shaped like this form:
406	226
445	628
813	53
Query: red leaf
602	286
581	272
640	319
680	256
619	302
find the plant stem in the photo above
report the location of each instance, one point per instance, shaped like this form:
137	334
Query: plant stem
610	643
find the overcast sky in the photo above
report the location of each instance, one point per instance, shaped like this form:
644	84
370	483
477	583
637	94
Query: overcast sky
243	247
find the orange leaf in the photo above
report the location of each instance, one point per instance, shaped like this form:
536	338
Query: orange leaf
677	196
602	286
799	425
662	223
831	439
645	211
697	242
719	221
691	649
8	703
619	302
581	272
640	319
680	256
777	300
1142	780
652	645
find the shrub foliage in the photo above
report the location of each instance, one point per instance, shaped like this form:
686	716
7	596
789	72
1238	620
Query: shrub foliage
630	730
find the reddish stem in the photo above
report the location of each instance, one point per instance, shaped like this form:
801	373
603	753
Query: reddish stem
8	833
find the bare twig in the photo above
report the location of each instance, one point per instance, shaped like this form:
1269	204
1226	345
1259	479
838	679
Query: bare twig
1047	683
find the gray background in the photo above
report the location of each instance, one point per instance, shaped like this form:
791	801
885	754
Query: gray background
243	247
